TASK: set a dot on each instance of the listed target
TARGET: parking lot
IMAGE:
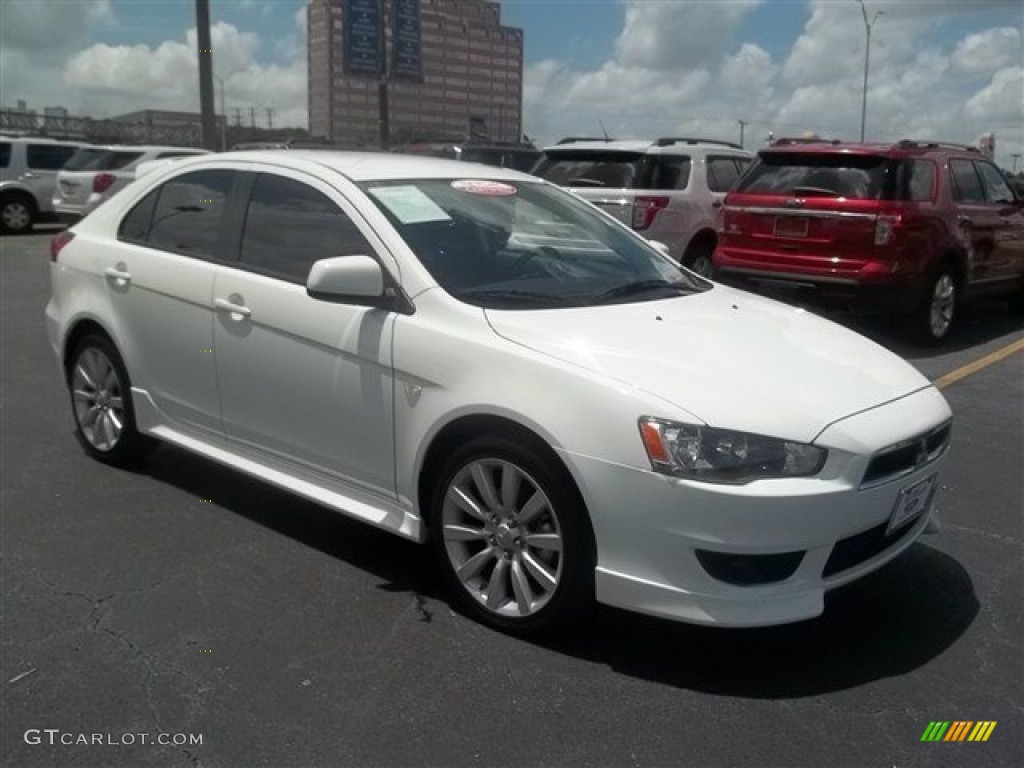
(188, 599)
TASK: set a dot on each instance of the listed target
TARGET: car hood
(732, 359)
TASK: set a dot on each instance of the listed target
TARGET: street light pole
(223, 109)
(867, 57)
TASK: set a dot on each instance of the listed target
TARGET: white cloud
(1000, 101)
(988, 51)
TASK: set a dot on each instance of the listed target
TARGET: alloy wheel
(943, 305)
(98, 400)
(15, 216)
(502, 537)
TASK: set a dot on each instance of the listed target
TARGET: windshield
(518, 245)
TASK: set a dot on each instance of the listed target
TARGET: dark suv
(911, 226)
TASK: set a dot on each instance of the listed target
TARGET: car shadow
(888, 623)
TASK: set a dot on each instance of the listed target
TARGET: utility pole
(743, 125)
(270, 118)
(383, 111)
(252, 117)
(238, 117)
(208, 117)
(867, 57)
(1016, 157)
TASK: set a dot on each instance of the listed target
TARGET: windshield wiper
(525, 297)
(638, 287)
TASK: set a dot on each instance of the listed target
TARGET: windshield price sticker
(484, 187)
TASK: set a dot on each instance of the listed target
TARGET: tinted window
(162, 155)
(966, 184)
(135, 226)
(82, 158)
(670, 172)
(996, 188)
(289, 225)
(722, 174)
(590, 169)
(48, 157)
(5, 154)
(101, 160)
(918, 180)
(189, 212)
(816, 174)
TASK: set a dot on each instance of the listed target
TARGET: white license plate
(912, 501)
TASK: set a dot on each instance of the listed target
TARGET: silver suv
(28, 176)
(670, 189)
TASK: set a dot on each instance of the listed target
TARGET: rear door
(811, 212)
(1008, 238)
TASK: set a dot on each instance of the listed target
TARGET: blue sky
(947, 69)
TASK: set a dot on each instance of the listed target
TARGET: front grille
(857, 549)
(906, 457)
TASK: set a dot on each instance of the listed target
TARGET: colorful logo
(958, 730)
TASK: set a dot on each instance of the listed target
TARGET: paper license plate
(791, 226)
(912, 501)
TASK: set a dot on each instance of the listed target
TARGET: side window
(48, 157)
(919, 180)
(189, 212)
(996, 188)
(966, 184)
(5, 154)
(722, 173)
(162, 155)
(670, 172)
(290, 225)
(134, 227)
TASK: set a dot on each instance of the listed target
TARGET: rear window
(101, 160)
(591, 169)
(5, 154)
(48, 157)
(818, 175)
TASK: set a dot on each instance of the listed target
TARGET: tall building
(451, 69)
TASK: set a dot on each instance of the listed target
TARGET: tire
(513, 538)
(698, 258)
(17, 214)
(101, 404)
(938, 313)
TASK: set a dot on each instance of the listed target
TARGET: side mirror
(354, 280)
(661, 248)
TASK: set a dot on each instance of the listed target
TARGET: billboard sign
(407, 41)
(363, 38)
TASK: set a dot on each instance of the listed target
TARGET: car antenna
(603, 130)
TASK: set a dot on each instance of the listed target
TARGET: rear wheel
(101, 404)
(935, 318)
(698, 258)
(513, 538)
(17, 214)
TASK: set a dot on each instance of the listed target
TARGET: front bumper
(650, 529)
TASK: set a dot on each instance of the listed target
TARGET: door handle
(235, 309)
(118, 274)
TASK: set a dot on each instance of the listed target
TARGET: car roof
(902, 148)
(372, 166)
(669, 145)
(43, 140)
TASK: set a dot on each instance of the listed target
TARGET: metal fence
(100, 131)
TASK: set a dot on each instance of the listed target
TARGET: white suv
(94, 174)
(670, 189)
(28, 173)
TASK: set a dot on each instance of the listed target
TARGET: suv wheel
(17, 214)
(938, 313)
(698, 258)
(513, 538)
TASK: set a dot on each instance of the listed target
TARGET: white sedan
(474, 357)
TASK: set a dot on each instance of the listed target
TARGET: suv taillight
(645, 208)
(58, 243)
(101, 182)
(885, 228)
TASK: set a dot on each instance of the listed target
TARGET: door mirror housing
(357, 279)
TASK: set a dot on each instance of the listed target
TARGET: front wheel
(101, 404)
(513, 538)
(936, 316)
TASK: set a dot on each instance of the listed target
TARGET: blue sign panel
(363, 38)
(407, 41)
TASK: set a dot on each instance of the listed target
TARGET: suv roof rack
(785, 141)
(915, 144)
(572, 139)
(669, 140)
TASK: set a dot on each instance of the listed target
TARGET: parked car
(489, 363)
(94, 174)
(517, 156)
(913, 226)
(28, 177)
(669, 189)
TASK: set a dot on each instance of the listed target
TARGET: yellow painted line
(984, 362)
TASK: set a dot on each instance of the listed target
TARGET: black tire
(17, 213)
(935, 318)
(698, 258)
(107, 402)
(507, 536)
(1016, 300)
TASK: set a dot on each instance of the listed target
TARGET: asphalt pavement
(189, 600)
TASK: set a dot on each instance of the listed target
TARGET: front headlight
(723, 456)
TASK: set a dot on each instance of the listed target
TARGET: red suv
(911, 226)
